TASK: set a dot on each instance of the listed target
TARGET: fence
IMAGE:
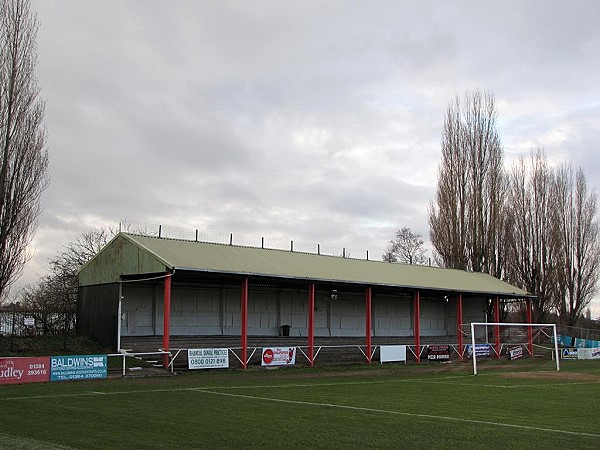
(580, 333)
(20, 322)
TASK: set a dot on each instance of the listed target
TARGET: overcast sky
(317, 122)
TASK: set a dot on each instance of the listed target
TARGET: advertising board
(571, 342)
(208, 358)
(78, 367)
(438, 352)
(24, 370)
(278, 356)
(480, 350)
(588, 353)
(514, 352)
(392, 353)
(569, 353)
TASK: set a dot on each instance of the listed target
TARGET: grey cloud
(313, 121)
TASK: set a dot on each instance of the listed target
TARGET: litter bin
(285, 330)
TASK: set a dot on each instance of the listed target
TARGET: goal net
(512, 341)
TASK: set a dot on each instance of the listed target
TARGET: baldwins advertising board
(81, 367)
(52, 368)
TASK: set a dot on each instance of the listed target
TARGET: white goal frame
(487, 324)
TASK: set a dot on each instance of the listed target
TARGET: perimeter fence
(17, 323)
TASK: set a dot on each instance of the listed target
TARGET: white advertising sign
(278, 356)
(392, 353)
(588, 353)
(208, 358)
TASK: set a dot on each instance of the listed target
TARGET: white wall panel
(392, 316)
(215, 311)
(137, 311)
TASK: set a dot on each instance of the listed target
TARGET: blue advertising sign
(586, 343)
(565, 341)
(569, 353)
(79, 367)
(573, 342)
(480, 350)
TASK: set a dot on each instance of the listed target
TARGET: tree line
(57, 291)
(532, 225)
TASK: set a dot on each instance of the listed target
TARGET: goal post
(528, 326)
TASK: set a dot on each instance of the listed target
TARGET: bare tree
(76, 254)
(467, 219)
(389, 254)
(407, 247)
(23, 158)
(533, 243)
(579, 248)
(58, 290)
(52, 303)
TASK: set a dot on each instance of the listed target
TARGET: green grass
(392, 406)
(48, 345)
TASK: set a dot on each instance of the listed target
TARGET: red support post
(166, 318)
(311, 324)
(529, 329)
(244, 314)
(417, 327)
(497, 327)
(459, 324)
(368, 323)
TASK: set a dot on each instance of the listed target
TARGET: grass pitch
(442, 406)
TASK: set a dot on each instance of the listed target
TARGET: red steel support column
(166, 318)
(244, 314)
(529, 330)
(417, 327)
(459, 324)
(311, 324)
(497, 327)
(368, 323)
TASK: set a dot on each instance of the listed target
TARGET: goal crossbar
(528, 325)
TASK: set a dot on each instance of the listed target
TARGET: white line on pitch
(294, 385)
(398, 413)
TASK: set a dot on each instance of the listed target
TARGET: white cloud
(313, 121)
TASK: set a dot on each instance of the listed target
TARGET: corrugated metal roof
(231, 259)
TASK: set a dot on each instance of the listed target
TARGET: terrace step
(347, 348)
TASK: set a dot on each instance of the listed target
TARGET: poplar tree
(467, 217)
(23, 157)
